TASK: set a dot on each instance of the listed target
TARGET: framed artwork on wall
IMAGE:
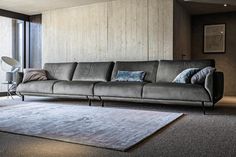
(214, 38)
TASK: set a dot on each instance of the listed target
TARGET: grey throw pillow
(185, 76)
(199, 77)
(34, 75)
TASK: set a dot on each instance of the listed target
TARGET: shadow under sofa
(96, 81)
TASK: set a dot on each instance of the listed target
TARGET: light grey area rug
(112, 128)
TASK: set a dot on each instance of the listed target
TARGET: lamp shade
(10, 61)
(10, 64)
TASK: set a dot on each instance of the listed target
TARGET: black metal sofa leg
(203, 108)
(23, 98)
(89, 101)
(102, 103)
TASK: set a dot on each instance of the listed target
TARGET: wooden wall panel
(160, 29)
(114, 30)
(182, 32)
(127, 30)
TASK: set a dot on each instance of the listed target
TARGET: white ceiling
(32, 7)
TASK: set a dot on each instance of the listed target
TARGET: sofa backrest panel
(149, 67)
(169, 69)
(93, 71)
(60, 71)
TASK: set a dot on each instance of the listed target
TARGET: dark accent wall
(35, 51)
(182, 32)
(224, 62)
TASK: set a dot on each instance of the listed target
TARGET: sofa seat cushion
(84, 88)
(175, 91)
(119, 89)
(45, 87)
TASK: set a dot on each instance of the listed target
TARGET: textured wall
(127, 30)
(115, 30)
(182, 32)
(6, 36)
(224, 62)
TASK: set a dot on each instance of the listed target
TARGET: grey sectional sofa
(95, 81)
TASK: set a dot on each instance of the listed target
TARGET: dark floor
(193, 135)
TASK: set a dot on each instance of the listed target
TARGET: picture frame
(214, 38)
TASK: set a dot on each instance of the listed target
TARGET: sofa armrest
(19, 77)
(209, 83)
(218, 86)
(214, 84)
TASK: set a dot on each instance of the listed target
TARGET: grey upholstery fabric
(209, 84)
(60, 71)
(19, 77)
(93, 71)
(74, 88)
(37, 87)
(175, 91)
(149, 67)
(158, 101)
(169, 69)
(56, 95)
(161, 91)
(119, 89)
(218, 86)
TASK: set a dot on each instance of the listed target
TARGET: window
(11, 43)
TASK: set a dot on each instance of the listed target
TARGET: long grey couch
(95, 81)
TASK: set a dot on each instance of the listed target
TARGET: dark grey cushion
(36, 87)
(199, 77)
(119, 89)
(60, 71)
(185, 76)
(149, 67)
(169, 69)
(175, 91)
(74, 88)
(18, 78)
(93, 71)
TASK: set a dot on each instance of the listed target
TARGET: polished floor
(195, 134)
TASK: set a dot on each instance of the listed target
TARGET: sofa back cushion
(169, 69)
(93, 71)
(149, 67)
(60, 71)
